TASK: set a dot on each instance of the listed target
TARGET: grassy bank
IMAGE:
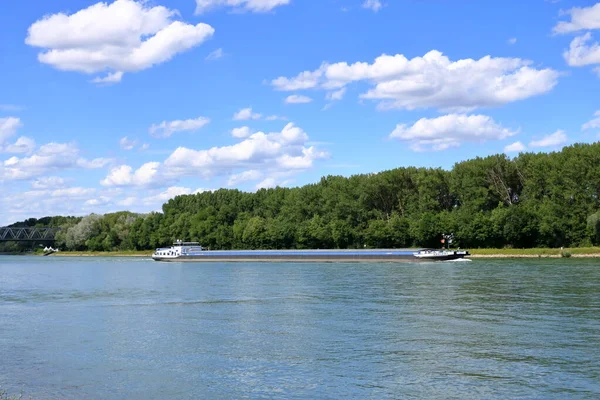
(128, 253)
(476, 253)
(539, 252)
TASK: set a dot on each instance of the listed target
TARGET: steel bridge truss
(27, 234)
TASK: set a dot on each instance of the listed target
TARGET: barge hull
(306, 259)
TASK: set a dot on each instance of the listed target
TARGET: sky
(122, 105)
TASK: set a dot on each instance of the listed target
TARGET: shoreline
(589, 252)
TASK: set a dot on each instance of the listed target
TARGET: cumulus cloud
(336, 95)
(284, 151)
(582, 53)
(583, 50)
(49, 182)
(241, 132)
(171, 193)
(124, 175)
(123, 36)
(127, 144)
(23, 145)
(8, 127)
(515, 147)
(245, 114)
(114, 77)
(582, 18)
(257, 6)
(556, 139)
(128, 201)
(50, 157)
(451, 130)
(268, 183)
(431, 81)
(166, 129)
(594, 123)
(259, 148)
(374, 5)
(51, 196)
(297, 99)
(250, 175)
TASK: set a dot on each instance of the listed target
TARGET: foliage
(544, 200)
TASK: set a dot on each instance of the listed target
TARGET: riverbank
(132, 253)
(582, 252)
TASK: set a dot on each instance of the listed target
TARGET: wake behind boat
(194, 252)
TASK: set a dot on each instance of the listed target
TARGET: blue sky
(124, 104)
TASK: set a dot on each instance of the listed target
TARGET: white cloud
(432, 81)
(280, 152)
(242, 132)
(259, 148)
(297, 99)
(123, 36)
(127, 144)
(593, 124)
(304, 80)
(22, 145)
(304, 161)
(515, 147)
(8, 127)
(169, 194)
(374, 5)
(245, 114)
(100, 201)
(268, 183)
(114, 77)
(250, 175)
(450, 131)
(166, 129)
(258, 6)
(555, 139)
(124, 175)
(512, 41)
(215, 55)
(582, 18)
(48, 158)
(336, 95)
(49, 182)
(53, 197)
(581, 54)
(73, 192)
(128, 201)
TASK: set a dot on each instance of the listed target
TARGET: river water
(131, 328)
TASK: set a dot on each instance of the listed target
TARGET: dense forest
(532, 200)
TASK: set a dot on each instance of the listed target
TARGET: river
(131, 328)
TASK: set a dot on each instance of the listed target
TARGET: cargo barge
(193, 252)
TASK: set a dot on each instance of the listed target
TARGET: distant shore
(583, 252)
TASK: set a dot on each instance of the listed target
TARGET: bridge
(27, 234)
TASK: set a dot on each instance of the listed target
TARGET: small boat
(441, 255)
(194, 252)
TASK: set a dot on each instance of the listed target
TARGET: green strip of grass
(535, 252)
(128, 253)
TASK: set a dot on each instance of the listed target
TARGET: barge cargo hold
(193, 252)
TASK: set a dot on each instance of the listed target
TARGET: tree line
(532, 200)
